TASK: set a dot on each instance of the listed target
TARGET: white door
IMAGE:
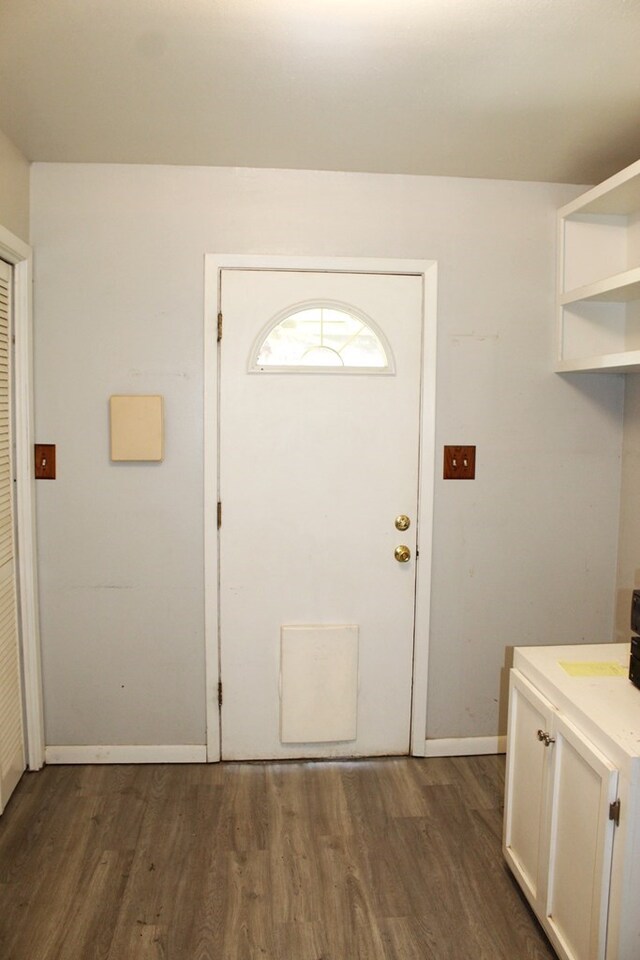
(526, 787)
(319, 427)
(585, 782)
(12, 759)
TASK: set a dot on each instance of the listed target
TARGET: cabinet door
(584, 783)
(526, 784)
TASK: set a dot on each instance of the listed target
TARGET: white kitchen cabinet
(573, 754)
(527, 772)
(599, 277)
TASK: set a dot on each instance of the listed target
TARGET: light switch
(459, 463)
(137, 429)
(45, 461)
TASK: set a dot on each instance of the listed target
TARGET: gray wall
(14, 189)
(629, 547)
(525, 554)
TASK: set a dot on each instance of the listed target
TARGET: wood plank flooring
(394, 859)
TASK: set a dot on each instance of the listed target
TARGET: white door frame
(427, 269)
(19, 254)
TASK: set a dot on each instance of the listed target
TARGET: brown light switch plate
(45, 461)
(459, 463)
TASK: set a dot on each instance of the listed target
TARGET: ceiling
(515, 89)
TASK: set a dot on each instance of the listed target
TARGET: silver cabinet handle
(545, 738)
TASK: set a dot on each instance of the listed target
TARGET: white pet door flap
(319, 683)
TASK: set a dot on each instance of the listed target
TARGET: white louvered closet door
(12, 761)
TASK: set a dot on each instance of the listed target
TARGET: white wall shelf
(627, 361)
(599, 277)
(619, 289)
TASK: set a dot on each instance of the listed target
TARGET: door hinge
(219, 514)
(219, 327)
(614, 812)
(220, 693)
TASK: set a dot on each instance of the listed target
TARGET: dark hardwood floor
(394, 859)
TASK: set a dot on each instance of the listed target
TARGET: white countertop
(607, 704)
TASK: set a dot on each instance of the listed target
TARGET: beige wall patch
(137, 427)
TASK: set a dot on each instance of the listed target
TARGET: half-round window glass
(322, 336)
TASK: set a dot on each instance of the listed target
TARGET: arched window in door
(321, 337)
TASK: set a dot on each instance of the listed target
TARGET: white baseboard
(136, 753)
(195, 753)
(464, 746)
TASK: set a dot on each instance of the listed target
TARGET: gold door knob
(402, 553)
(403, 522)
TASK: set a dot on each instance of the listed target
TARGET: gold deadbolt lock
(402, 553)
(403, 522)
